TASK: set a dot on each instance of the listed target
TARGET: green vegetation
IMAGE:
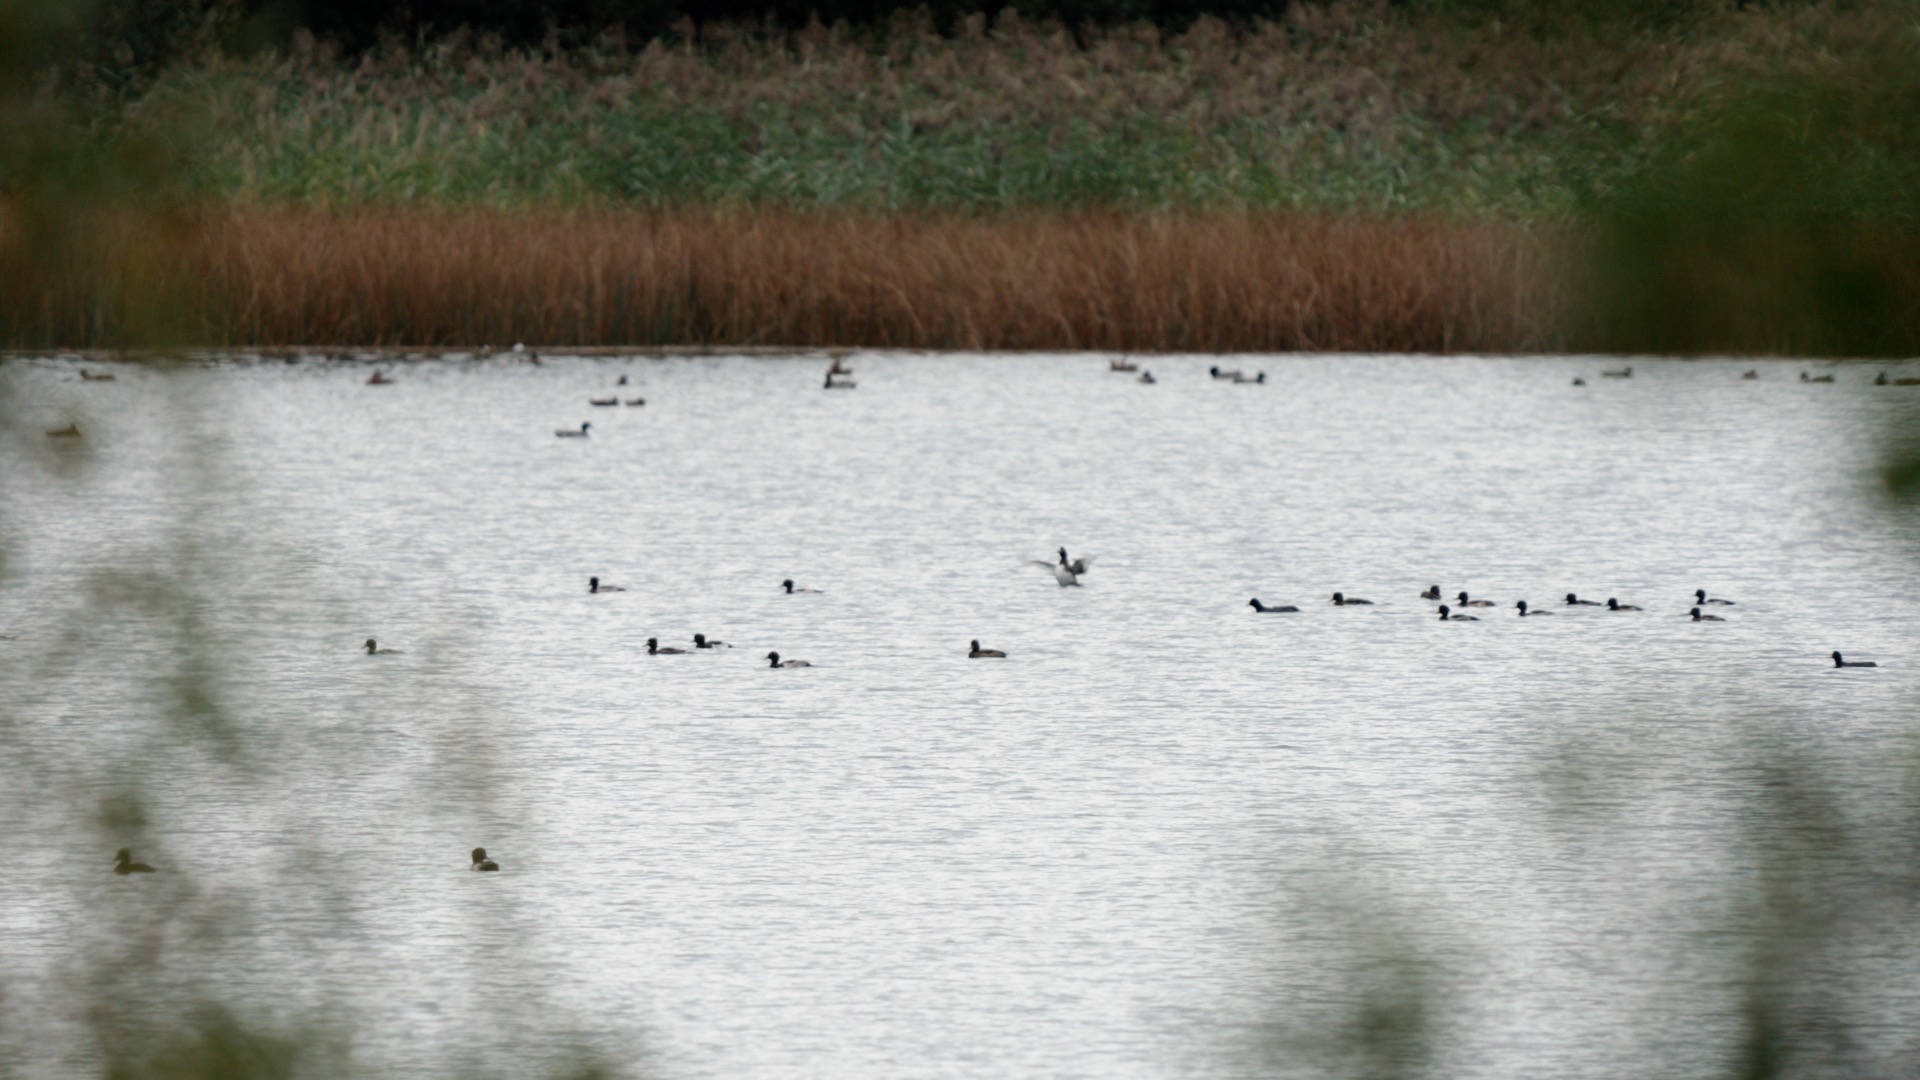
(1780, 211)
(1342, 107)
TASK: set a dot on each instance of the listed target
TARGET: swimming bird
(375, 650)
(654, 649)
(978, 653)
(773, 660)
(581, 434)
(71, 431)
(594, 586)
(1432, 593)
(1700, 597)
(1574, 601)
(1447, 615)
(1522, 605)
(788, 585)
(88, 376)
(700, 642)
(1122, 365)
(123, 859)
(1816, 378)
(481, 862)
(1343, 600)
(621, 381)
(1239, 378)
(1263, 609)
(1906, 382)
(636, 401)
(1837, 662)
(1578, 381)
(1147, 377)
(1615, 605)
(1751, 373)
(379, 378)
(842, 384)
(1219, 374)
(1697, 617)
(1464, 602)
(615, 400)
(1880, 379)
(1623, 373)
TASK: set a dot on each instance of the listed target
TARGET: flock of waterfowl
(1065, 571)
(1524, 610)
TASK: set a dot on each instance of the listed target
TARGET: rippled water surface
(1167, 837)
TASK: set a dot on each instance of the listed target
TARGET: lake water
(1166, 837)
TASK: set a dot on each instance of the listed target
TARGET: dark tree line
(357, 22)
(135, 35)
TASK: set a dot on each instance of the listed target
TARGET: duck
(1697, 617)
(379, 378)
(123, 859)
(1623, 373)
(1522, 605)
(1122, 365)
(1260, 378)
(700, 642)
(654, 649)
(1219, 374)
(1263, 609)
(791, 588)
(1574, 601)
(1147, 377)
(1880, 379)
(978, 653)
(842, 384)
(1615, 605)
(1837, 662)
(481, 862)
(1751, 373)
(1065, 572)
(1804, 377)
(1343, 600)
(773, 660)
(632, 402)
(1700, 597)
(71, 431)
(1079, 565)
(569, 434)
(1447, 615)
(594, 586)
(1907, 382)
(621, 381)
(1432, 593)
(88, 376)
(1578, 381)
(604, 401)
(374, 649)
(1464, 602)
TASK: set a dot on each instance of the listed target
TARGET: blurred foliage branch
(1780, 210)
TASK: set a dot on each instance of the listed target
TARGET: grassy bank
(1341, 107)
(922, 279)
(1358, 177)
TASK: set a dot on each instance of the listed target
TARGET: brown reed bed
(1222, 281)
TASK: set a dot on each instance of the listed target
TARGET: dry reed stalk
(1033, 280)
